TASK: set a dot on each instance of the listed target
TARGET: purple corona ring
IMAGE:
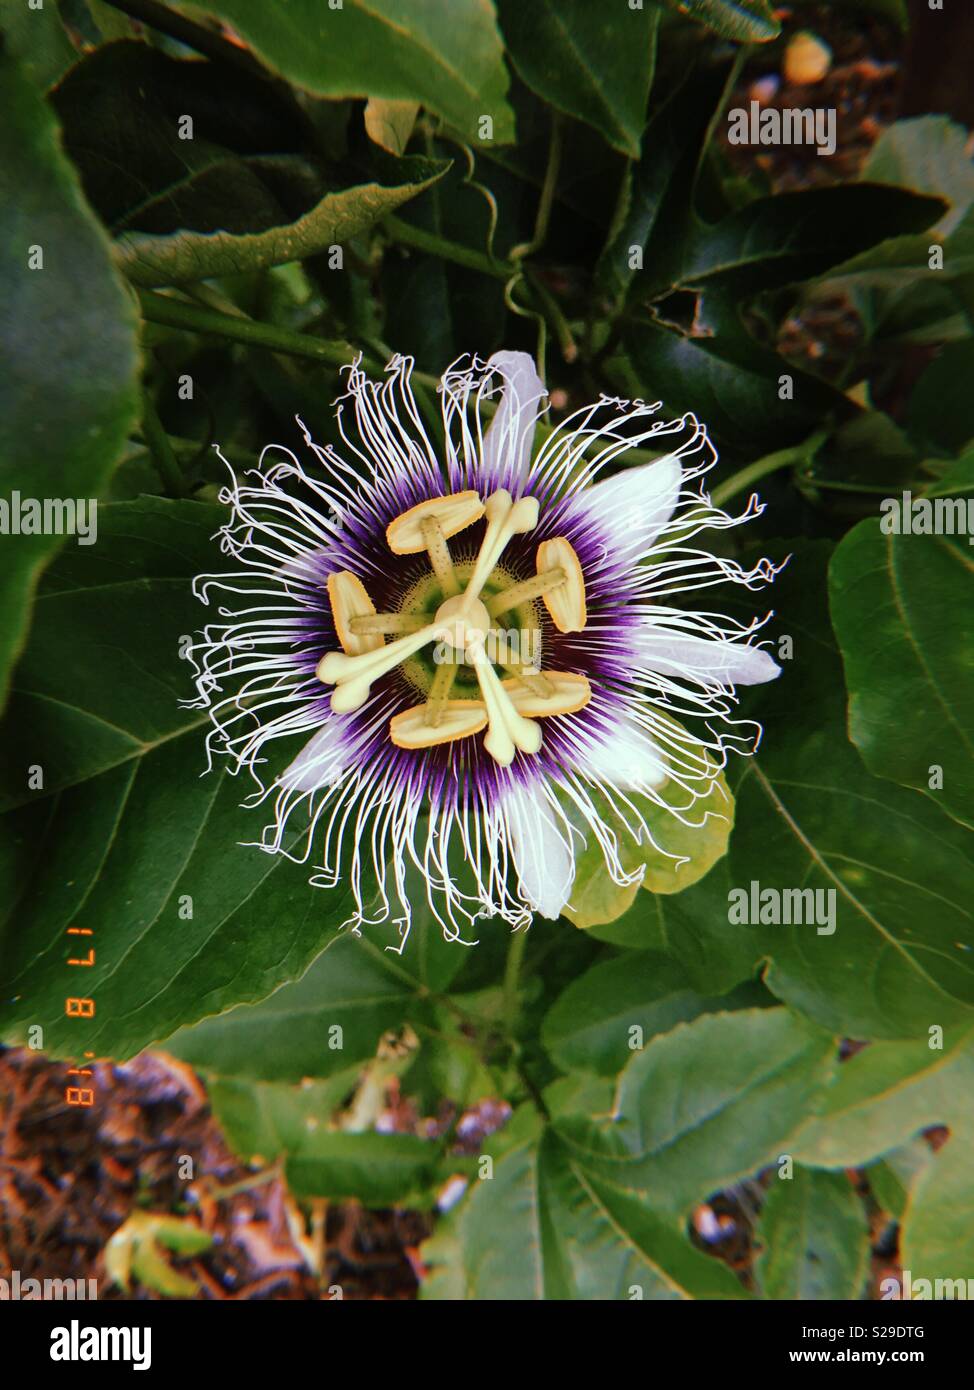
(483, 662)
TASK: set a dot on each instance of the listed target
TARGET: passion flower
(490, 660)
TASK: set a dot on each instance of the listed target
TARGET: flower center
(462, 627)
(467, 621)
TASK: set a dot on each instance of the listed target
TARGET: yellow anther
(453, 513)
(565, 602)
(460, 719)
(349, 601)
(568, 693)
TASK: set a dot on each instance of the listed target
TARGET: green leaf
(334, 1016)
(726, 377)
(36, 38)
(377, 1169)
(941, 413)
(811, 817)
(745, 21)
(691, 928)
(815, 1236)
(767, 243)
(542, 1227)
(957, 478)
(63, 416)
(936, 1241)
(884, 1095)
(686, 337)
(590, 1025)
(163, 143)
(678, 126)
(596, 65)
(390, 123)
(903, 608)
(892, 1178)
(266, 1121)
(887, 1093)
(712, 364)
(232, 198)
(929, 155)
(446, 54)
(143, 850)
(891, 285)
(706, 1104)
(793, 236)
(192, 256)
(112, 615)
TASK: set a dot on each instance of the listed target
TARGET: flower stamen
(463, 622)
(454, 513)
(523, 592)
(460, 719)
(565, 602)
(440, 692)
(567, 693)
(386, 624)
(529, 675)
(350, 604)
(439, 553)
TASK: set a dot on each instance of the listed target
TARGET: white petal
(318, 764)
(507, 443)
(634, 506)
(730, 663)
(543, 857)
(628, 759)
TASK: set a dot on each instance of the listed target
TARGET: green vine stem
(160, 449)
(435, 245)
(784, 458)
(554, 317)
(198, 318)
(547, 199)
(171, 312)
(512, 978)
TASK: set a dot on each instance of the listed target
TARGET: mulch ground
(71, 1175)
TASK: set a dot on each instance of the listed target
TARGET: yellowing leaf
(134, 1249)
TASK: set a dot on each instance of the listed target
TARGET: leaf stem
(160, 449)
(784, 458)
